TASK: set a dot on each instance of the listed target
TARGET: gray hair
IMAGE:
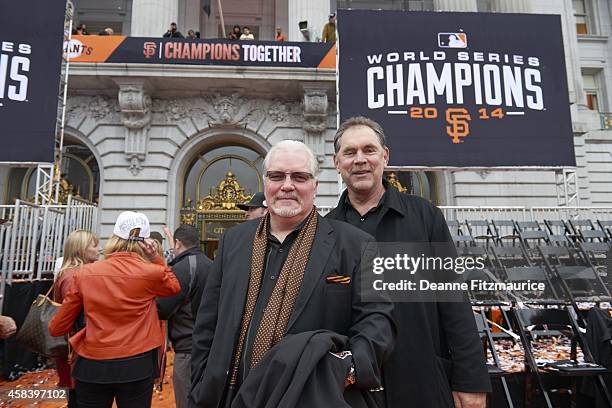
(293, 145)
(359, 121)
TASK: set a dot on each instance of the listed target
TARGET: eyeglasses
(296, 177)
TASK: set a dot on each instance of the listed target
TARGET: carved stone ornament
(135, 105)
(97, 107)
(222, 110)
(315, 119)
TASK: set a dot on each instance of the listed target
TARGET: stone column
(510, 6)
(455, 5)
(135, 106)
(316, 12)
(152, 18)
(315, 118)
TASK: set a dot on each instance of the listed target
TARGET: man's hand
(7, 327)
(470, 399)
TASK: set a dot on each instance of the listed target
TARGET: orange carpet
(47, 380)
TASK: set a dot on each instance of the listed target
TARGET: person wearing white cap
(117, 351)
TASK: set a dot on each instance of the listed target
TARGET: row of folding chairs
(568, 274)
(528, 326)
(510, 232)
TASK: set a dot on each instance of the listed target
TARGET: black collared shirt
(370, 220)
(276, 255)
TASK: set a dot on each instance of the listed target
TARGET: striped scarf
(280, 306)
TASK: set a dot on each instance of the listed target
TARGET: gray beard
(286, 212)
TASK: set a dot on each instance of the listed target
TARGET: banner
(31, 35)
(93, 48)
(459, 89)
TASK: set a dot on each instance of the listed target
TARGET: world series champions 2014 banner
(121, 49)
(458, 89)
(31, 36)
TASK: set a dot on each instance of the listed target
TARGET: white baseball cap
(129, 220)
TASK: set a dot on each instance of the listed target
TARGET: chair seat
(495, 371)
(569, 368)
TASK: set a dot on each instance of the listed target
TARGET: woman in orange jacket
(81, 247)
(117, 349)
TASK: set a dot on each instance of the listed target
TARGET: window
(581, 13)
(98, 15)
(590, 81)
(404, 5)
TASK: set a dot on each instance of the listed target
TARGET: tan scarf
(280, 306)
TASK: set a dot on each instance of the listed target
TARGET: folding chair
(481, 230)
(550, 294)
(495, 370)
(458, 236)
(559, 240)
(486, 274)
(606, 227)
(595, 253)
(531, 233)
(557, 227)
(583, 283)
(534, 324)
(579, 225)
(505, 230)
(592, 236)
(510, 257)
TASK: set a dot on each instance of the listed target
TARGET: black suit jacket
(438, 348)
(336, 250)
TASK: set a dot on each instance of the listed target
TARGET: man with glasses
(286, 274)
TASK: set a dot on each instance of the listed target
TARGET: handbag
(34, 332)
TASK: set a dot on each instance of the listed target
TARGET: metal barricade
(33, 236)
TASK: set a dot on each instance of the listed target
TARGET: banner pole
(221, 17)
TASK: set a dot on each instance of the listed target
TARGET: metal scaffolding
(48, 174)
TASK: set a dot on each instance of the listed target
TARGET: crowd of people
(237, 33)
(277, 318)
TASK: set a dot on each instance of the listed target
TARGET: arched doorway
(215, 181)
(421, 183)
(80, 176)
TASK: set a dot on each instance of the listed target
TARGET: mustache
(292, 196)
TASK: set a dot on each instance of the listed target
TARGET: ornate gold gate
(216, 212)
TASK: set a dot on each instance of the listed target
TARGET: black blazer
(438, 348)
(336, 250)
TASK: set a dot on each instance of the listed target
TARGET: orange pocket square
(341, 279)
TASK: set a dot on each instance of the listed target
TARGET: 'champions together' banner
(459, 89)
(93, 48)
(31, 35)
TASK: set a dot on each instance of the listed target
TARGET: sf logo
(458, 119)
(149, 49)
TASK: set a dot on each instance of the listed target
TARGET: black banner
(120, 49)
(459, 89)
(31, 36)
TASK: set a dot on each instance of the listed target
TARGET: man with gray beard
(276, 279)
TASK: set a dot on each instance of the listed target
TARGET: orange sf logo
(149, 49)
(458, 119)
